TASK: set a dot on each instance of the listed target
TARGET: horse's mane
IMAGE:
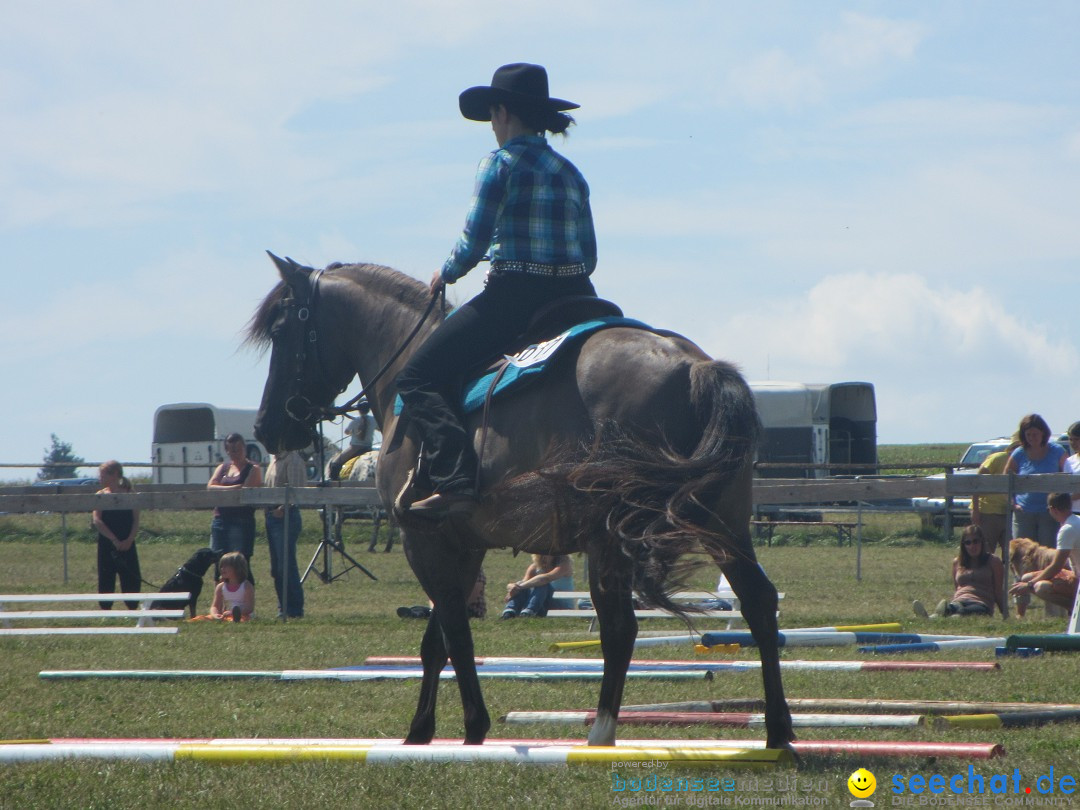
(377, 280)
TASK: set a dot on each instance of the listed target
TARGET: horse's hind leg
(758, 601)
(609, 583)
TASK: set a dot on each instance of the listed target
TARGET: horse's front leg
(447, 574)
(433, 656)
(758, 600)
(453, 617)
(609, 584)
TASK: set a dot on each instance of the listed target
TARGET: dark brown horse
(636, 449)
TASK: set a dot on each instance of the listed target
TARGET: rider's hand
(437, 283)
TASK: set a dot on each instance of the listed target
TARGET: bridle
(297, 405)
(302, 307)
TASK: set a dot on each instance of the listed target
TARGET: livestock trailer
(191, 436)
(815, 424)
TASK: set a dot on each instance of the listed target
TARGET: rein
(305, 312)
(341, 410)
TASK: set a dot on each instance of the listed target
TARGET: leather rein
(297, 405)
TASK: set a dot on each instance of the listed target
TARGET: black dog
(188, 577)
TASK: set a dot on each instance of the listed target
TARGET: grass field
(354, 617)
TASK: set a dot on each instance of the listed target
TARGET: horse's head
(300, 384)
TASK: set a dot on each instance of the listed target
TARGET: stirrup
(444, 504)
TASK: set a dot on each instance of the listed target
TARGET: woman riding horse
(530, 212)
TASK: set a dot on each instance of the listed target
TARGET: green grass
(918, 454)
(354, 617)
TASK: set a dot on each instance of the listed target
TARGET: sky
(817, 191)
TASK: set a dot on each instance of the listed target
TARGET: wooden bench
(145, 615)
(565, 606)
(767, 527)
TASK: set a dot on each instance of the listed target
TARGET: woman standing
(1036, 454)
(1072, 463)
(116, 528)
(233, 527)
(530, 213)
(282, 531)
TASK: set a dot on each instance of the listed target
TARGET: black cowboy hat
(519, 83)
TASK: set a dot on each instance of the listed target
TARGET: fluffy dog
(1026, 556)
(189, 577)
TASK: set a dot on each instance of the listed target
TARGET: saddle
(556, 326)
(547, 323)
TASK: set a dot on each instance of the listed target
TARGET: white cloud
(898, 321)
(845, 56)
(945, 361)
(774, 78)
(862, 42)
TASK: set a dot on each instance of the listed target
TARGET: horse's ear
(287, 268)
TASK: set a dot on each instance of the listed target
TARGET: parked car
(66, 482)
(932, 510)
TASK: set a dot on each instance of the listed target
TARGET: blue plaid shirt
(530, 205)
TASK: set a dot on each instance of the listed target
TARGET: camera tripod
(327, 546)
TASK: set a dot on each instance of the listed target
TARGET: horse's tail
(657, 504)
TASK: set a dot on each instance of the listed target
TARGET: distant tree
(60, 461)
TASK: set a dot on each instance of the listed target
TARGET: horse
(636, 449)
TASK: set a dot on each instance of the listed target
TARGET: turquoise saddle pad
(530, 363)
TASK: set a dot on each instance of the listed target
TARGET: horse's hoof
(603, 730)
(787, 746)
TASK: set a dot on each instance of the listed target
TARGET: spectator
(286, 469)
(1072, 463)
(361, 433)
(233, 527)
(1037, 454)
(979, 579)
(234, 596)
(116, 528)
(531, 595)
(990, 512)
(1057, 583)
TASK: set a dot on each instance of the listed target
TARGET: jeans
(234, 533)
(1037, 526)
(968, 609)
(534, 599)
(292, 591)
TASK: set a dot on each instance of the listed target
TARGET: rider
(530, 213)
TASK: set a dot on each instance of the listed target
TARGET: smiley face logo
(862, 784)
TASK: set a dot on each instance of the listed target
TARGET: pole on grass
(63, 531)
(282, 566)
(858, 543)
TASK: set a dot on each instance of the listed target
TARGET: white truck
(816, 424)
(189, 438)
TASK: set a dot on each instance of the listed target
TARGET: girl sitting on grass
(234, 596)
(978, 577)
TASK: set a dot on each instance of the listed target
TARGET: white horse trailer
(191, 436)
(815, 424)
